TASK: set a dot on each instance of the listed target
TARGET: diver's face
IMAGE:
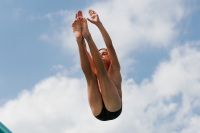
(104, 55)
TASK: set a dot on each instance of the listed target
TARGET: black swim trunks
(106, 115)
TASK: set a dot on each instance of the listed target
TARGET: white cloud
(17, 12)
(45, 37)
(59, 67)
(167, 102)
(52, 106)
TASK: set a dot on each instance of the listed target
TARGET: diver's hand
(94, 18)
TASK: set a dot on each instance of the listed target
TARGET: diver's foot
(85, 31)
(76, 28)
(79, 14)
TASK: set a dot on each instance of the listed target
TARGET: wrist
(98, 24)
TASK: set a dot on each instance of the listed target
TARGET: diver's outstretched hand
(94, 18)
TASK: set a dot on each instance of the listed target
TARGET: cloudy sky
(42, 87)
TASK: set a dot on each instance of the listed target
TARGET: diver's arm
(94, 18)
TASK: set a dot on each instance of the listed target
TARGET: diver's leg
(93, 49)
(94, 96)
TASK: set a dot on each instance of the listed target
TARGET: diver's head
(105, 56)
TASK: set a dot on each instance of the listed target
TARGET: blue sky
(23, 54)
(158, 47)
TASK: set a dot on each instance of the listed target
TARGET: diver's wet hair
(102, 49)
